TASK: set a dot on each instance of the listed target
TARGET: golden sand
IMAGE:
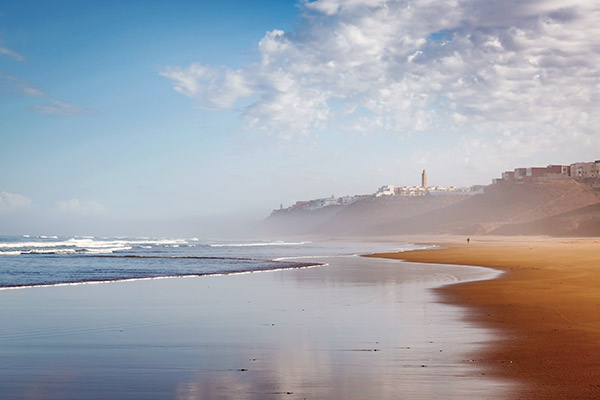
(547, 308)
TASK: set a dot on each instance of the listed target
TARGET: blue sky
(120, 116)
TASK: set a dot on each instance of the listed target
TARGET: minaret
(424, 179)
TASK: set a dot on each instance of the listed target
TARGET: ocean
(29, 261)
(355, 328)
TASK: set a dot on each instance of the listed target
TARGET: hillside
(500, 205)
(297, 222)
(584, 221)
(551, 207)
(369, 216)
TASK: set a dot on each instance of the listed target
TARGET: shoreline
(158, 277)
(545, 307)
(359, 328)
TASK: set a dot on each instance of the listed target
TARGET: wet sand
(356, 329)
(547, 307)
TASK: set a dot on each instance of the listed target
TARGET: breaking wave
(259, 244)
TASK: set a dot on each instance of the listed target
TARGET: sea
(323, 323)
(32, 261)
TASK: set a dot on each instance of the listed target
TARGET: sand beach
(546, 306)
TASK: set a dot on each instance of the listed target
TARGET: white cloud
(216, 88)
(49, 105)
(525, 67)
(60, 108)
(332, 7)
(12, 201)
(8, 52)
(21, 87)
(77, 207)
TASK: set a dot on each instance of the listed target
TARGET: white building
(411, 191)
(347, 200)
(385, 190)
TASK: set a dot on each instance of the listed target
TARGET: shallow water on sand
(358, 328)
(53, 260)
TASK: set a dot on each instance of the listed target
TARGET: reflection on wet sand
(356, 329)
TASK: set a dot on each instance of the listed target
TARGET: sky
(177, 118)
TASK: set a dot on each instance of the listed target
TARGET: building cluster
(423, 190)
(385, 190)
(412, 191)
(311, 205)
(579, 170)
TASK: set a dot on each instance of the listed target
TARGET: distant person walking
(468, 240)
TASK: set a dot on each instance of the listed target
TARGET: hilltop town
(554, 200)
(579, 170)
(385, 190)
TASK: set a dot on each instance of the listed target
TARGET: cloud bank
(524, 72)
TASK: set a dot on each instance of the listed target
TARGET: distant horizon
(205, 116)
(229, 226)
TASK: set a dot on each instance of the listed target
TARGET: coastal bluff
(555, 207)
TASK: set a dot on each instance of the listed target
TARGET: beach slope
(547, 306)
